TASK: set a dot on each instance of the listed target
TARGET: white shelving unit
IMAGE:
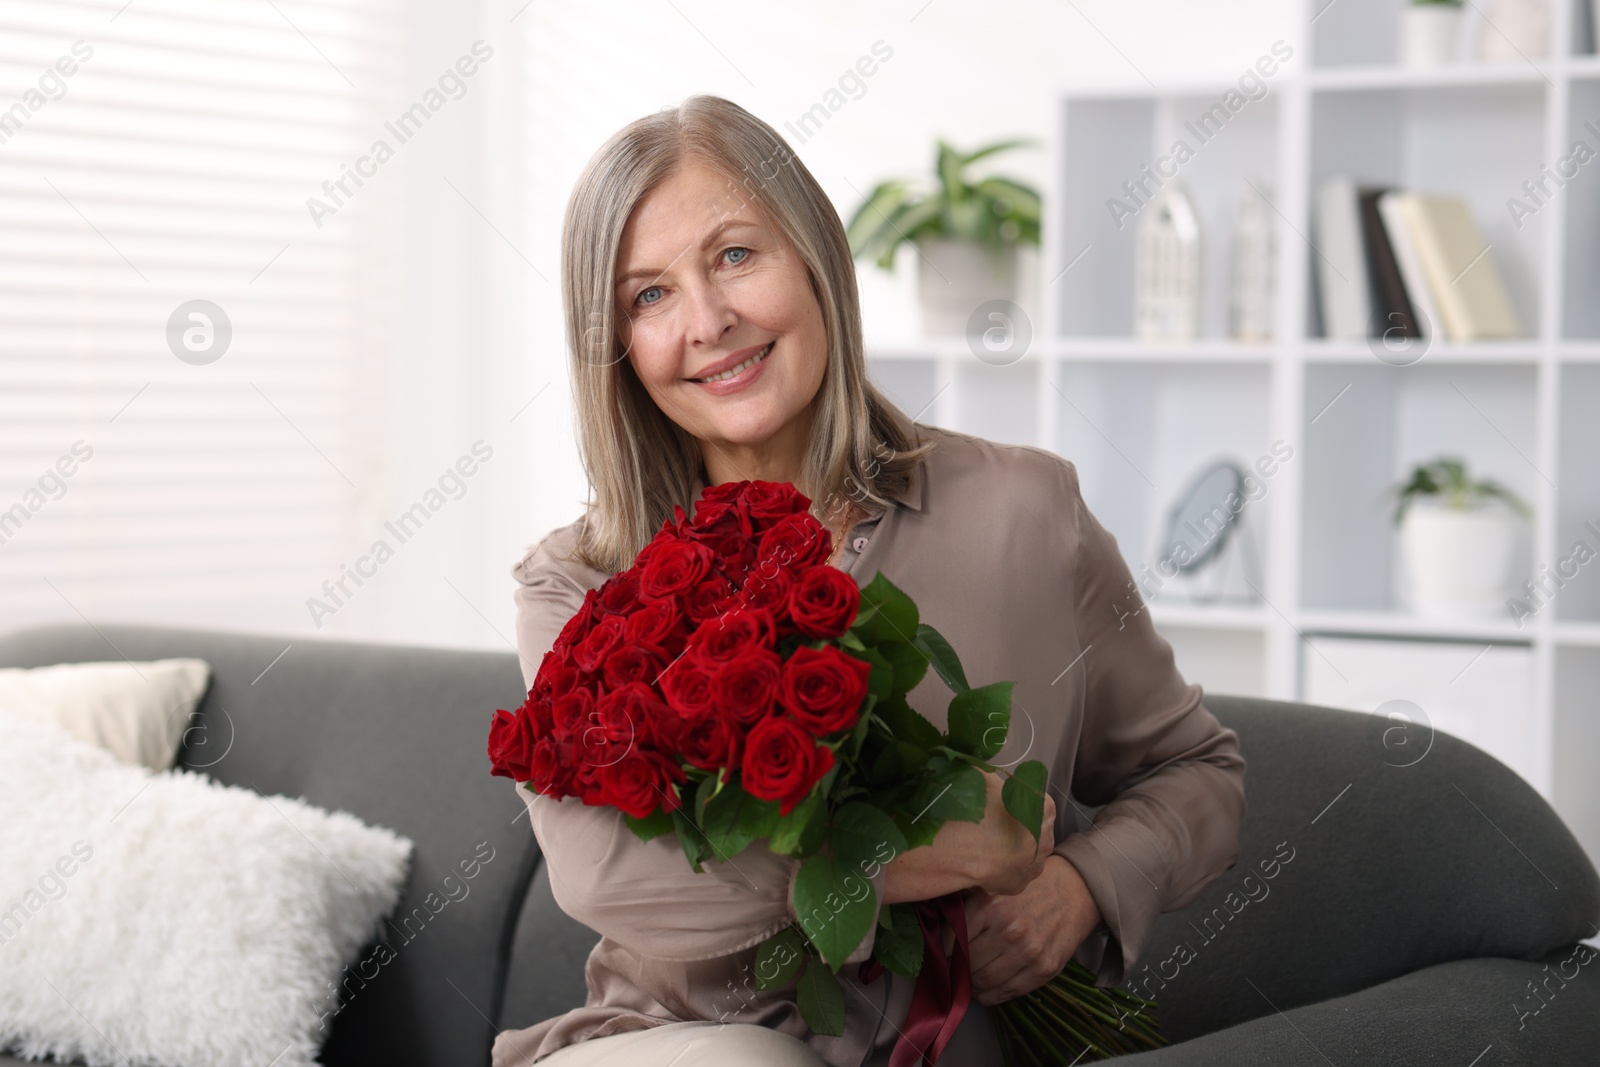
(1140, 419)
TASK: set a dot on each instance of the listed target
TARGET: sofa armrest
(1532, 1013)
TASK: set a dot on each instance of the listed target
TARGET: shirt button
(859, 544)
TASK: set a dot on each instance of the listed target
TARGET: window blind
(153, 155)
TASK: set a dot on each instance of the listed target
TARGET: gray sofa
(1378, 914)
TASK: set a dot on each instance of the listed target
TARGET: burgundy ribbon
(943, 989)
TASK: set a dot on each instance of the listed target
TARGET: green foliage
(899, 945)
(831, 906)
(1023, 795)
(779, 958)
(994, 211)
(820, 999)
(1446, 478)
(979, 719)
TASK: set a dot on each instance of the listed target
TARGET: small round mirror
(1205, 514)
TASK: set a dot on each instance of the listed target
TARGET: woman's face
(704, 281)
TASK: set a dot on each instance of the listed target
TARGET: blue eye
(640, 298)
(741, 259)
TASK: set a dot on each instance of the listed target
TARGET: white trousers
(698, 1043)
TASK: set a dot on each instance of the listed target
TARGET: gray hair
(640, 463)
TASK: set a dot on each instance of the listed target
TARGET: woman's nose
(710, 314)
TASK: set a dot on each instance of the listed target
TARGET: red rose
(634, 716)
(510, 745)
(767, 586)
(705, 599)
(630, 663)
(722, 638)
(796, 540)
(591, 652)
(686, 683)
(637, 783)
(577, 626)
(545, 769)
(710, 741)
(675, 567)
(570, 713)
(658, 624)
(620, 593)
(722, 492)
(781, 762)
(823, 688)
(824, 601)
(715, 520)
(747, 684)
(768, 502)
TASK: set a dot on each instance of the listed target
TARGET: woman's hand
(1020, 942)
(998, 854)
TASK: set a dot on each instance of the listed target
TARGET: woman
(713, 320)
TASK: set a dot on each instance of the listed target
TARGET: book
(1394, 317)
(1460, 271)
(1341, 262)
(1411, 272)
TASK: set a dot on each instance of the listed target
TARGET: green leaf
(896, 761)
(918, 832)
(942, 656)
(896, 617)
(957, 792)
(999, 146)
(1023, 795)
(709, 787)
(910, 663)
(863, 725)
(820, 999)
(651, 826)
(734, 818)
(801, 831)
(693, 841)
(860, 833)
(834, 905)
(779, 958)
(900, 947)
(880, 680)
(979, 719)
(908, 724)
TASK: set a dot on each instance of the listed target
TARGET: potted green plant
(966, 232)
(1459, 536)
(1431, 32)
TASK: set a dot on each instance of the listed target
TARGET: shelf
(1578, 634)
(1088, 349)
(1515, 351)
(1414, 627)
(1383, 76)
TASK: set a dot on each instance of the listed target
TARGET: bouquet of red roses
(731, 686)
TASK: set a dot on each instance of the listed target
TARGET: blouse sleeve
(642, 894)
(1170, 777)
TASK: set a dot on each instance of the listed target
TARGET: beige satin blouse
(996, 546)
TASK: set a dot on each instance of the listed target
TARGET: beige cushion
(138, 711)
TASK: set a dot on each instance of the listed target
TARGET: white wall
(465, 340)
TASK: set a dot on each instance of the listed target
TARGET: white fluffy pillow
(169, 919)
(138, 711)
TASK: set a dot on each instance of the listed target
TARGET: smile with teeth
(741, 368)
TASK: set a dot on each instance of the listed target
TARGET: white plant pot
(1459, 559)
(955, 276)
(1430, 35)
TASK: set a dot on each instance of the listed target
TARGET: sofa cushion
(394, 735)
(136, 711)
(1360, 862)
(137, 909)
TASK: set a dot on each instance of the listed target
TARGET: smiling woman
(686, 254)
(715, 338)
